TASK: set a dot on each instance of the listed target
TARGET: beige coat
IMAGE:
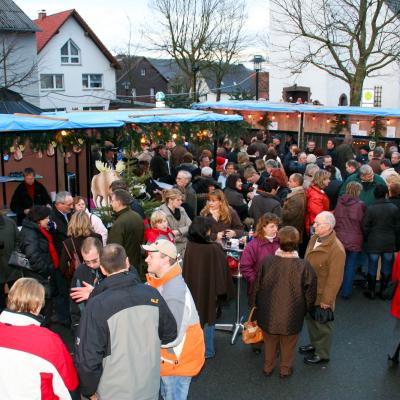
(294, 210)
(328, 261)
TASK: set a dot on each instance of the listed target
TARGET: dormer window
(70, 53)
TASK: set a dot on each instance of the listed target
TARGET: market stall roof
(107, 119)
(268, 106)
(12, 102)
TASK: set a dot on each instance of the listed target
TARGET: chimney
(42, 14)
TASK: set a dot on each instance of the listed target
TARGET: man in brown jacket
(327, 256)
(294, 207)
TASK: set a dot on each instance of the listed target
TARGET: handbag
(390, 290)
(322, 315)
(252, 333)
(73, 262)
(18, 260)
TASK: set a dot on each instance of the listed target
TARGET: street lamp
(195, 70)
(126, 85)
(257, 62)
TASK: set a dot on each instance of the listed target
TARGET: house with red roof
(76, 70)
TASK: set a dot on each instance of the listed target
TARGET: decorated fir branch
(378, 128)
(339, 123)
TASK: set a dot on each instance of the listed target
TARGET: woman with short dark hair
(285, 290)
(36, 242)
(234, 196)
(381, 227)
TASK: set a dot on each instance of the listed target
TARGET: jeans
(349, 273)
(387, 262)
(209, 335)
(175, 387)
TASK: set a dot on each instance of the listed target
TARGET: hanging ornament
(39, 154)
(17, 154)
(50, 150)
(76, 149)
(68, 155)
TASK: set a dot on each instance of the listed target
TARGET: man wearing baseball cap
(184, 357)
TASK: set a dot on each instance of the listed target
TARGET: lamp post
(126, 86)
(257, 61)
(195, 70)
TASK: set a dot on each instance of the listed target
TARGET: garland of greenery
(377, 128)
(339, 123)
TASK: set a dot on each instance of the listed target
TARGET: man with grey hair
(327, 256)
(183, 183)
(368, 179)
(60, 215)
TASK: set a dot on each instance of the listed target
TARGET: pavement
(364, 334)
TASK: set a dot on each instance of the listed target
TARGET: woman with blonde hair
(178, 220)
(80, 204)
(317, 200)
(226, 221)
(79, 228)
(32, 352)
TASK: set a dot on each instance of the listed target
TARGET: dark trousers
(320, 336)
(285, 345)
(60, 294)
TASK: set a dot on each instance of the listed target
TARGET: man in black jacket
(120, 333)
(28, 193)
(86, 277)
(60, 214)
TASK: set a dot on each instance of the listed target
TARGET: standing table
(237, 326)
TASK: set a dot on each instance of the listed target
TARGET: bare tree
(348, 39)
(16, 69)
(189, 32)
(230, 40)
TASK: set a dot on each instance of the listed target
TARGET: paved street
(364, 334)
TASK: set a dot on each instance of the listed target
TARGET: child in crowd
(159, 228)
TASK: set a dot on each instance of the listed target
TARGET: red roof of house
(50, 25)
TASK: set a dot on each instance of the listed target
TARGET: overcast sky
(108, 19)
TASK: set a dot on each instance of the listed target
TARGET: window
(53, 109)
(92, 81)
(93, 108)
(51, 81)
(152, 91)
(70, 53)
(143, 72)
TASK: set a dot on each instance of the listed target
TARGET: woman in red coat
(317, 200)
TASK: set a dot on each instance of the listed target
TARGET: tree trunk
(356, 86)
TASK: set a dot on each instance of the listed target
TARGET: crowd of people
(308, 222)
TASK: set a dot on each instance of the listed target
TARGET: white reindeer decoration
(102, 181)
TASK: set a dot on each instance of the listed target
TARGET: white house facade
(323, 87)
(76, 71)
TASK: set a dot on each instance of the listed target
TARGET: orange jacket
(185, 355)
